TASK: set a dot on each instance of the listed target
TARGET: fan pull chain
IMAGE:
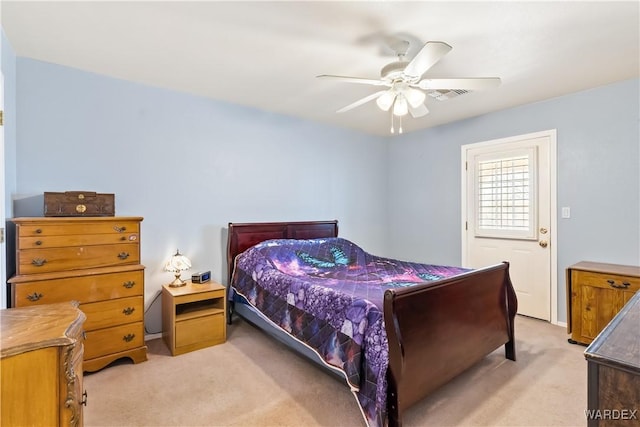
(392, 130)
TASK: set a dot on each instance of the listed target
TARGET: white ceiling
(267, 54)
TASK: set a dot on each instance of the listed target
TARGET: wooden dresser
(596, 292)
(93, 260)
(41, 363)
(613, 371)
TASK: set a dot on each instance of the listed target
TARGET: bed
(434, 323)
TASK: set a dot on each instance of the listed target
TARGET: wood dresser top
(601, 267)
(58, 219)
(619, 342)
(30, 328)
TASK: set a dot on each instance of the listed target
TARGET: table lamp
(177, 264)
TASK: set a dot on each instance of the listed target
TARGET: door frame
(3, 240)
(553, 253)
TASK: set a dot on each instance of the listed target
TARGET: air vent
(444, 94)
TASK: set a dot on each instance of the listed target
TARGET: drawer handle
(38, 242)
(129, 310)
(84, 398)
(120, 229)
(123, 255)
(84, 335)
(129, 284)
(34, 296)
(38, 262)
(38, 231)
(123, 238)
(613, 284)
(129, 337)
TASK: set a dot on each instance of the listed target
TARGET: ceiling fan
(405, 89)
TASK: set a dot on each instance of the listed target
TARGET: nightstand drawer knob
(34, 296)
(613, 284)
(129, 284)
(128, 337)
(128, 311)
(123, 255)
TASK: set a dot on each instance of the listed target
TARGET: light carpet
(253, 380)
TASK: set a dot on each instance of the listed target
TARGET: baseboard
(563, 324)
(149, 337)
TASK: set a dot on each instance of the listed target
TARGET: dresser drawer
(84, 289)
(35, 261)
(39, 242)
(606, 280)
(113, 340)
(113, 312)
(75, 226)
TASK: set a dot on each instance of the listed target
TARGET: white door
(508, 200)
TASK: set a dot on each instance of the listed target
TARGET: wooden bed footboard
(438, 330)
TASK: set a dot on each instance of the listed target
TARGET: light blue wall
(191, 165)
(8, 154)
(9, 167)
(598, 153)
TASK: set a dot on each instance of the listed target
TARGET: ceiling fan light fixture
(385, 101)
(400, 107)
(415, 97)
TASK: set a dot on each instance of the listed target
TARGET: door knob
(543, 243)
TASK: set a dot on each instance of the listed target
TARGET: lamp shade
(400, 107)
(385, 101)
(176, 264)
(415, 97)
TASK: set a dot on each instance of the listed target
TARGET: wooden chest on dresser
(41, 364)
(613, 371)
(95, 261)
(596, 292)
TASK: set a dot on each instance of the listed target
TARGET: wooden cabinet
(596, 292)
(92, 260)
(41, 364)
(613, 371)
(193, 316)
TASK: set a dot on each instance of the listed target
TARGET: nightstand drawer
(206, 329)
(607, 281)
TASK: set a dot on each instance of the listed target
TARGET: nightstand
(193, 316)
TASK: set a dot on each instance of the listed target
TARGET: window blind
(504, 194)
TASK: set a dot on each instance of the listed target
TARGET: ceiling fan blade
(361, 101)
(419, 111)
(477, 83)
(430, 53)
(359, 80)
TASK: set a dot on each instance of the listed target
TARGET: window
(505, 195)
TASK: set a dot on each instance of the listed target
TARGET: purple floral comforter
(328, 293)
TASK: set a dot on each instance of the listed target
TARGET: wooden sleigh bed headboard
(244, 235)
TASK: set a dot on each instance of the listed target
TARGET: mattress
(327, 294)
